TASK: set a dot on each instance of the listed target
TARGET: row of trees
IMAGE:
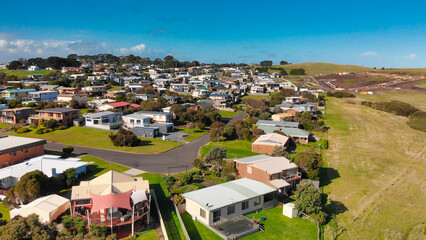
(52, 62)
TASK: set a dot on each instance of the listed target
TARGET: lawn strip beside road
(236, 148)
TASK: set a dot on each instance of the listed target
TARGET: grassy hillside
(377, 168)
(25, 73)
(316, 68)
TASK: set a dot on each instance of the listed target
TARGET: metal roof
(101, 114)
(225, 194)
(277, 123)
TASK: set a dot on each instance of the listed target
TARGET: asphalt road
(176, 160)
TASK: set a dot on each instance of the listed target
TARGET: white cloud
(411, 56)
(138, 48)
(369, 54)
(3, 43)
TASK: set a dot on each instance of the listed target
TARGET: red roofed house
(291, 111)
(114, 200)
(114, 105)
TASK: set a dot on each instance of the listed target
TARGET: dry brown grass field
(380, 165)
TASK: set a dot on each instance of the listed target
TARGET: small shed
(290, 210)
(47, 208)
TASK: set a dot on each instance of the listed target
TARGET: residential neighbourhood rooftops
(224, 194)
(295, 132)
(118, 104)
(278, 123)
(101, 114)
(137, 116)
(153, 112)
(11, 142)
(21, 90)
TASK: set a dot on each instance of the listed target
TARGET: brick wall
(256, 174)
(10, 158)
(266, 149)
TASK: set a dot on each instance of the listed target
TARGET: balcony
(118, 219)
(293, 177)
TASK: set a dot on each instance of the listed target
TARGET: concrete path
(176, 160)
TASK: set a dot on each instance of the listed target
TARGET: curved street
(176, 160)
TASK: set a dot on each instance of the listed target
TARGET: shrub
(186, 178)
(124, 138)
(169, 180)
(40, 131)
(340, 94)
(395, 107)
(366, 103)
(67, 150)
(178, 199)
(417, 121)
(22, 130)
(51, 123)
(62, 127)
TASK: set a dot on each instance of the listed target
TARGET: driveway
(176, 160)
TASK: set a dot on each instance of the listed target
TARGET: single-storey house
(164, 128)
(114, 105)
(148, 132)
(218, 203)
(17, 149)
(47, 208)
(268, 142)
(270, 123)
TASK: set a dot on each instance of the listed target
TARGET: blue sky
(370, 33)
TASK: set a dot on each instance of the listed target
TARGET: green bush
(67, 150)
(340, 94)
(186, 178)
(395, 107)
(40, 131)
(22, 130)
(51, 123)
(62, 127)
(417, 121)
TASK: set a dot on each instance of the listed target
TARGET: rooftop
(272, 139)
(9, 142)
(221, 195)
(101, 114)
(278, 123)
(119, 104)
(58, 110)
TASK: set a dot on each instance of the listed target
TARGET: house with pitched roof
(268, 142)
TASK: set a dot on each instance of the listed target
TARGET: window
(244, 205)
(138, 121)
(231, 209)
(216, 216)
(257, 201)
(82, 202)
(14, 153)
(202, 213)
(249, 169)
(132, 121)
(269, 197)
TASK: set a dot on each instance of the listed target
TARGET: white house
(218, 203)
(157, 116)
(104, 120)
(179, 87)
(51, 165)
(44, 96)
(136, 120)
(34, 68)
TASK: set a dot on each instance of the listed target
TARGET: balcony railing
(293, 177)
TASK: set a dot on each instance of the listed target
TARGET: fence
(163, 227)
(181, 222)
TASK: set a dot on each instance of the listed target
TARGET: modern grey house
(164, 128)
(104, 120)
(148, 132)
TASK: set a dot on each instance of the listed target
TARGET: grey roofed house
(12, 143)
(221, 195)
(278, 123)
(148, 132)
(164, 128)
(205, 102)
(57, 110)
(295, 132)
(137, 116)
(101, 114)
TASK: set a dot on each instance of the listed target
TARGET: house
(64, 115)
(205, 103)
(115, 93)
(298, 107)
(179, 87)
(201, 92)
(15, 115)
(163, 117)
(298, 135)
(43, 96)
(96, 103)
(136, 120)
(292, 112)
(135, 87)
(163, 128)
(104, 120)
(172, 99)
(49, 87)
(281, 116)
(120, 106)
(277, 172)
(269, 123)
(257, 89)
(94, 90)
(294, 100)
(268, 142)
(221, 100)
(34, 68)
(143, 97)
(17, 149)
(51, 165)
(221, 202)
(17, 93)
(67, 98)
(112, 199)
(148, 132)
(68, 90)
(48, 208)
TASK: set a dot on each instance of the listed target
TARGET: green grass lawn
(3, 125)
(150, 234)
(4, 211)
(115, 89)
(421, 84)
(277, 226)
(196, 230)
(25, 73)
(258, 97)
(227, 114)
(84, 110)
(99, 167)
(194, 134)
(95, 138)
(236, 148)
(377, 178)
(171, 221)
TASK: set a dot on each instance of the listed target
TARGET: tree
(191, 126)
(14, 65)
(283, 62)
(297, 71)
(31, 186)
(51, 123)
(13, 103)
(266, 63)
(215, 157)
(283, 72)
(308, 197)
(27, 228)
(216, 130)
(280, 152)
(186, 178)
(70, 177)
(124, 138)
(229, 171)
(229, 132)
(310, 162)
